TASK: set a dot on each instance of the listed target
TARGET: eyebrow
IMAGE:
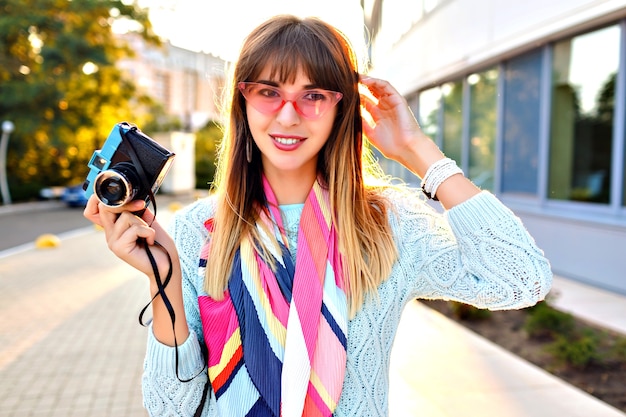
(275, 84)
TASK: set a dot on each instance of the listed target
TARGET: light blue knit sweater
(478, 252)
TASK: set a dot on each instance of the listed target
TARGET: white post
(7, 128)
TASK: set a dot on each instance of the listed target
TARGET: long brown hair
(288, 44)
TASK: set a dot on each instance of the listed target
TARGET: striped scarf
(277, 340)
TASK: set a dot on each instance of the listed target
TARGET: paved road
(70, 343)
(23, 223)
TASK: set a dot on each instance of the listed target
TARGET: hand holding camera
(124, 176)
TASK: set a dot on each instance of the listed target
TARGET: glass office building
(529, 99)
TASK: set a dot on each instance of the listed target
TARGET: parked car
(74, 196)
(51, 193)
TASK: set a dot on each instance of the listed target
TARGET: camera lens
(117, 186)
(113, 190)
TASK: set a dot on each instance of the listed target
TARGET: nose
(288, 115)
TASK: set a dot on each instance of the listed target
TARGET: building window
(482, 127)
(584, 72)
(162, 89)
(520, 132)
(428, 116)
(452, 132)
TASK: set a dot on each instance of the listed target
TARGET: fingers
(91, 211)
(387, 97)
(96, 211)
(378, 87)
(368, 131)
(369, 105)
(120, 223)
(123, 235)
(148, 216)
(124, 226)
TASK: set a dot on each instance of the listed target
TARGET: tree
(207, 140)
(60, 86)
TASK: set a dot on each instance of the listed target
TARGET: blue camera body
(101, 158)
(130, 166)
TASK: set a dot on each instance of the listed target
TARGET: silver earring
(249, 151)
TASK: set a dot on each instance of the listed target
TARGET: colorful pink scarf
(277, 341)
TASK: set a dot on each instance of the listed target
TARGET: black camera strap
(161, 284)
(138, 166)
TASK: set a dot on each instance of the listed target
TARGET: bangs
(297, 48)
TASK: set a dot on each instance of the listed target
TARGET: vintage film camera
(130, 166)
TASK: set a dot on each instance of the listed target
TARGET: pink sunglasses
(311, 104)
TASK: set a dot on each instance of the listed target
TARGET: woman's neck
(290, 189)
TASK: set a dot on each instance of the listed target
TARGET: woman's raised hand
(393, 129)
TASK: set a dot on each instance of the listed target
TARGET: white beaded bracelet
(438, 173)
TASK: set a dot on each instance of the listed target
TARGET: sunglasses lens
(264, 98)
(311, 104)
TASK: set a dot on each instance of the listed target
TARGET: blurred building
(187, 83)
(189, 86)
(530, 99)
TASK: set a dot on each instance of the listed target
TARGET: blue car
(74, 196)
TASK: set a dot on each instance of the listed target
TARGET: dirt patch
(604, 377)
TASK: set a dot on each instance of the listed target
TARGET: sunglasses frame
(289, 98)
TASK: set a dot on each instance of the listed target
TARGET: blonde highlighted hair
(287, 44)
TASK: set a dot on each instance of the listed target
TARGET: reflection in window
(452, 133)
(429, 105)
(483, 103)
(520, 135)
(583, 92)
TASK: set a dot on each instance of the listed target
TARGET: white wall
(583, 251)
(182, 174)
(466, 35)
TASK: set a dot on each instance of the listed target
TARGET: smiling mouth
(287, 140)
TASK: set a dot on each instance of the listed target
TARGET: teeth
(286, 141)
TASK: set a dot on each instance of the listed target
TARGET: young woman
(294, 273)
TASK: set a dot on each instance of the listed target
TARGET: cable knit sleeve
(163, 393)
(477, 252)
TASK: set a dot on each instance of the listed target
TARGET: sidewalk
(71, 346)
(597, 306)
(441, 369)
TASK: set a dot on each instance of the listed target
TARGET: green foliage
(60, 111)
(618, 350)
(544, 321)
(160, 121)
(464, 311)
(578, 351)
(570, 344)
(207, 140)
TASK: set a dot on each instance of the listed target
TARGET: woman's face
(288, 141)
